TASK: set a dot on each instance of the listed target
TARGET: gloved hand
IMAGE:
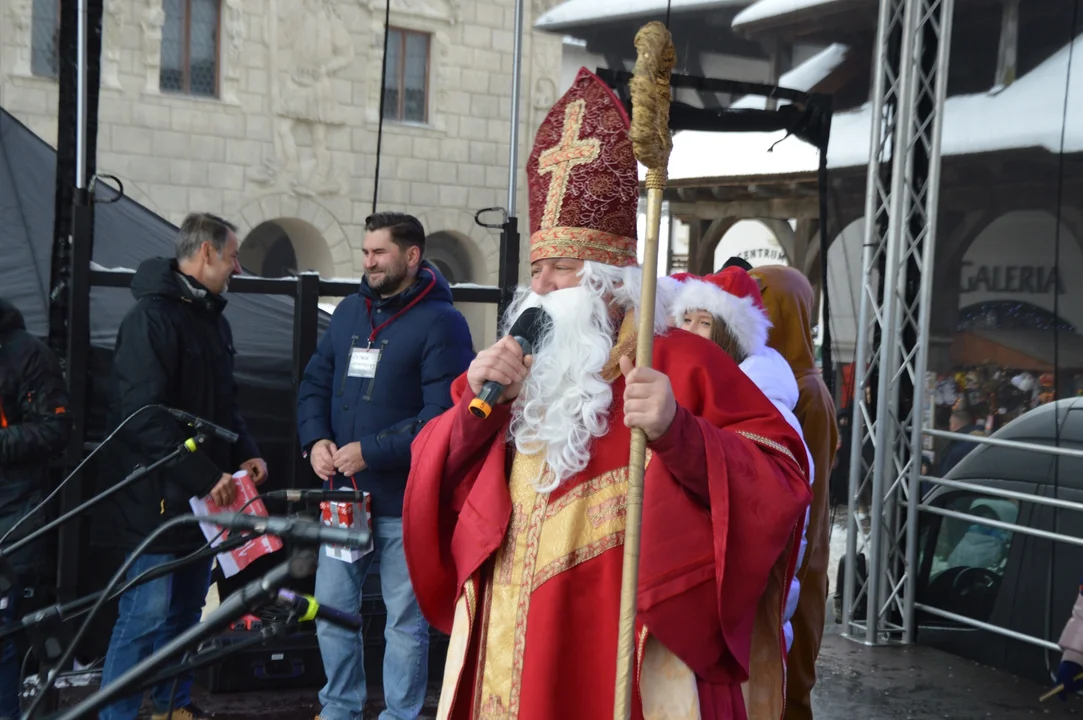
(1066, 674)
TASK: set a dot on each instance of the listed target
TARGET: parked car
(1008, 579)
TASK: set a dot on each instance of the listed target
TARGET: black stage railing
(306, 290)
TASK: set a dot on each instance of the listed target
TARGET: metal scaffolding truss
(909, 89)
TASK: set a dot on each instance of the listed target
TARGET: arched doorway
(453, 256)
(753, 241)
(285, 247)
(459, 260)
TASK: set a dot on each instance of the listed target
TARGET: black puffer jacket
(34, 424)
(174, 348)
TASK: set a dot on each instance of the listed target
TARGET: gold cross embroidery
(515, 527)
(559, 160)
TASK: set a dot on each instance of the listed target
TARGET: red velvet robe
(528, 584)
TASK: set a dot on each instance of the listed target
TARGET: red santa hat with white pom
(733, 296)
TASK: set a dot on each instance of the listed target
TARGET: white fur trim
(748, 323)
(668, 289)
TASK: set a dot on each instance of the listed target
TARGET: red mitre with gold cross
(583, 179)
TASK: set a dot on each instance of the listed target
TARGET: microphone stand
(7, 580)
(258, 592)
(44, 626)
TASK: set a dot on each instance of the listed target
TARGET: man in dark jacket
(381, 371)
(34, 427)
(954, 452)
(174, 348)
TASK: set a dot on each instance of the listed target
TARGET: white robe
(775, 379)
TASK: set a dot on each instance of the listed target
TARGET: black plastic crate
(289, 663)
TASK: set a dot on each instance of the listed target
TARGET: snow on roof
(767, 9)
(1027, 113)
(576, 13)
(697, 152)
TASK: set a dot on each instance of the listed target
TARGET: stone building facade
(267, 112)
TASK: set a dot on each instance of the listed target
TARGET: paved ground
(856, 682)
(913, 683)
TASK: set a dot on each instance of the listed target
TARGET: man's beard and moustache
(564, 402)
(392, 278)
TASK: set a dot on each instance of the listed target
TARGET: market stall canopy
(575, 14)
(1029, 113)
(1031, 350)
(125, 234)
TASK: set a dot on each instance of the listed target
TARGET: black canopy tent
(126, 233)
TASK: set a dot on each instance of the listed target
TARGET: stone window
(406, 87)
(45, 38)
(190, 38)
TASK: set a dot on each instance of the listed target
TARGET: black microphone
(300, 531)
(320, 495)
(311, 609)
(200, 424)
(526, 331)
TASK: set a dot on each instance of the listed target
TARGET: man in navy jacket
(381, 371)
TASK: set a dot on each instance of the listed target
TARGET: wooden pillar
(806, 242)
(780, 58)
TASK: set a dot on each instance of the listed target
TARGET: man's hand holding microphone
(503, 363)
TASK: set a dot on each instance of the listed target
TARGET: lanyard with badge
(363, 361)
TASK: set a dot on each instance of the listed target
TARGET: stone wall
(276, 144)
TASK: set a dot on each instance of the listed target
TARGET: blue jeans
(406, 659)
(150, 615)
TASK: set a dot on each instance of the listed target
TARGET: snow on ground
(1028, 113)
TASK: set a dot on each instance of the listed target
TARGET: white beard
(564, 402)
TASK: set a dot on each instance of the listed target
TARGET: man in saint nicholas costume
(514, 524)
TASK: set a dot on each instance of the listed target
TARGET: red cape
(703, 569)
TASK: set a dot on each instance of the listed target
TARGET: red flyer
(240, 558)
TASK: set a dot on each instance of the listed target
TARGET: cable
(105, 595)
(66, 657)
(72, 474)
(383, 95)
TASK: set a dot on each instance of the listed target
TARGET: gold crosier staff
(651, 139)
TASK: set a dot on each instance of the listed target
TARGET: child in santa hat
(727, 309)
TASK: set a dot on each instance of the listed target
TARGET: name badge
(363, 362)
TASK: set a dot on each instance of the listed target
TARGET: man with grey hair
(174, 349)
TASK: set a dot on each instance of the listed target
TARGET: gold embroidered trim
(641, 648)
(559, 160)
(534, 531)
(503, 574)
(586, 489)
(761, 440)
(577, 557)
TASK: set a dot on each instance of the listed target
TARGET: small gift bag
(353, 515)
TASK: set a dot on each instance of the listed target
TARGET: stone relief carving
(545, 93)
(152, 21)
(236, 32)
(545, 65)
(540, 7)
(309, 45)
(112, 41)
(22, 15)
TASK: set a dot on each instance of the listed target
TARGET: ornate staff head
(651, 98)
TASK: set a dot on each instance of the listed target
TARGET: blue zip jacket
(422, 350)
